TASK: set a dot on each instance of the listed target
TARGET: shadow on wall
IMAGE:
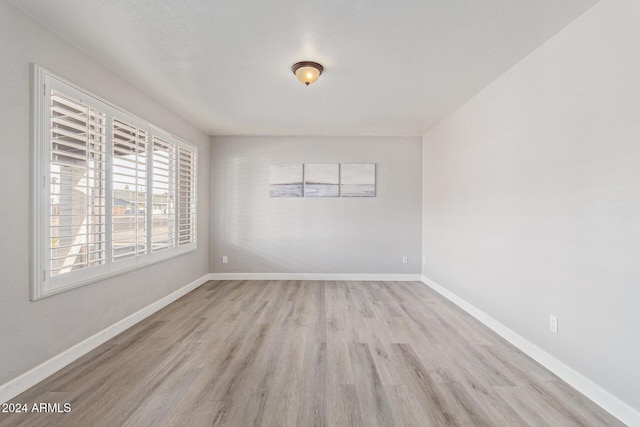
(268, 234)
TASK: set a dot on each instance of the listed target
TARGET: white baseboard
(30, 378)
(597, 394)
(317, 276)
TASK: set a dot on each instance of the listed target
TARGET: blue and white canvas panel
(321, 180)
(358, 179)
(285, 180)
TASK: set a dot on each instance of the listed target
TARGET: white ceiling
(391, 67)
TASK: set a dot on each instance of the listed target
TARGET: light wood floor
(278, 353)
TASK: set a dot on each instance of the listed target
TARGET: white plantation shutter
(163, 224)
(129, 191)
(112, 191)
(186, 196)
(77, 186)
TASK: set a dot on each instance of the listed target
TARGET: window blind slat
(163, 209)
(129, 226)
(186, 199)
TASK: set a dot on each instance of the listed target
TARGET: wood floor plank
(343, 407)
(431, 394)
(369, 388)
(308, 353)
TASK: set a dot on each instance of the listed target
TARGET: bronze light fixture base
(307, 71)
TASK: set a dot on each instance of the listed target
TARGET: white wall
(33, 332)
(260, 234)
(531, 198)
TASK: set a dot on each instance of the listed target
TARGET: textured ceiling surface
(391, 67)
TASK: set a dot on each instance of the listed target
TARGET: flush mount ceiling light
(307, 72)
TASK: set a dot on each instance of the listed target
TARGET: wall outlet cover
(553, 324)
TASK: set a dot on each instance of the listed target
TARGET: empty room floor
(309, 353)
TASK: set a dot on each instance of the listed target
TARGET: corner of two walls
(531, 200)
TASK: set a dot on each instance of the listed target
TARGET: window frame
(43, 284)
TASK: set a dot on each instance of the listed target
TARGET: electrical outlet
(553, 324)
(225, 259)
(405, 260)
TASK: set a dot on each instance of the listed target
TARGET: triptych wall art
(322, 180)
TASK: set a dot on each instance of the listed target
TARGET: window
(112, 192)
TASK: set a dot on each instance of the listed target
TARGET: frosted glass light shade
(307, 72)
